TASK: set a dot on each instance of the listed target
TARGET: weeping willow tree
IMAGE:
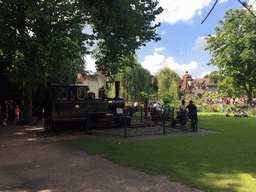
(134, 83)
(167, 84)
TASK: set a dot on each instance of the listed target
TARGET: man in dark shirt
(191, 107)
(192, 113)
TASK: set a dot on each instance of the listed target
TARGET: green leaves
(233, 50)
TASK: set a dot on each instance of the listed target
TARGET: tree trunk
(250, 95)
(26, 104)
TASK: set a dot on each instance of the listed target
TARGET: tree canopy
(233, 49)
(42, 41)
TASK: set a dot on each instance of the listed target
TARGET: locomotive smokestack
(117, 85)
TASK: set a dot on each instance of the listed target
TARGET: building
(196, 87)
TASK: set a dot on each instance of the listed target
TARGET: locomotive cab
(72, 105)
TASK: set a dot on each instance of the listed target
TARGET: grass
(216, 162)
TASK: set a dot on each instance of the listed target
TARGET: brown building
(196, 87)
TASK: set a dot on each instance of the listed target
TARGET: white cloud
(157, 61)
(183, 67)
(205, 73)
(200, 44)
(185, 10)
(90, 63)
(222, 1)
(159, 49)
(251, 2)
(153, 63)
(163, 32)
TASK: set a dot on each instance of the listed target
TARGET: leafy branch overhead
(123, 27)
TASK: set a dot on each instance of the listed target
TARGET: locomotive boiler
(72, 106)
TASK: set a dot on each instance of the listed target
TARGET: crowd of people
(154, 107)
(10, 112)
(230, 100)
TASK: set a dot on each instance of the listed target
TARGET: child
(148, 113)
(244, 113)
(17, 114)
(238, 113)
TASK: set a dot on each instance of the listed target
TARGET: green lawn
(218, 162)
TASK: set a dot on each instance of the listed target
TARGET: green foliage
(134, 83)
(216, 76)
(154, 85)
(233, 49)
(168, 84)
(123, 26)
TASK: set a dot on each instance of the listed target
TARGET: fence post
(164, 122)
(125, 124)
(141, 113)
(172, 114)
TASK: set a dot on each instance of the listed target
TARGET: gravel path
(29, 163)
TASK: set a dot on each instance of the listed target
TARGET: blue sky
(182, 45)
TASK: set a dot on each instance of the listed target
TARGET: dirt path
(28, 163)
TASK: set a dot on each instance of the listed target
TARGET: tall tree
(233, 49)
(174, 91)
(165, 78)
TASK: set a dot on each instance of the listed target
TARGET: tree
(233, 49)
(134, 82)
(39, 41)
(174, 90)
(154, 85)
(215, 76)
(166, 78)
(122, 26)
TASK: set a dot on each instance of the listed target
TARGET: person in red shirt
(17, 114)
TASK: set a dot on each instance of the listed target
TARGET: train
(73, 106)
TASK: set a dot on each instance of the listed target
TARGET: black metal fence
(138, 124)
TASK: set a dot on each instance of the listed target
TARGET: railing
(139, 125)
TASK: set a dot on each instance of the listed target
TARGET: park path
(29, 163)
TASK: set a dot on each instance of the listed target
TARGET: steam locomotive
(72, 106)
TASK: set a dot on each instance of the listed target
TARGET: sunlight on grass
(230, 182)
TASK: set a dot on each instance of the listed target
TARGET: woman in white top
(156, 105)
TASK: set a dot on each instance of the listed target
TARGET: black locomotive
(72, 106)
